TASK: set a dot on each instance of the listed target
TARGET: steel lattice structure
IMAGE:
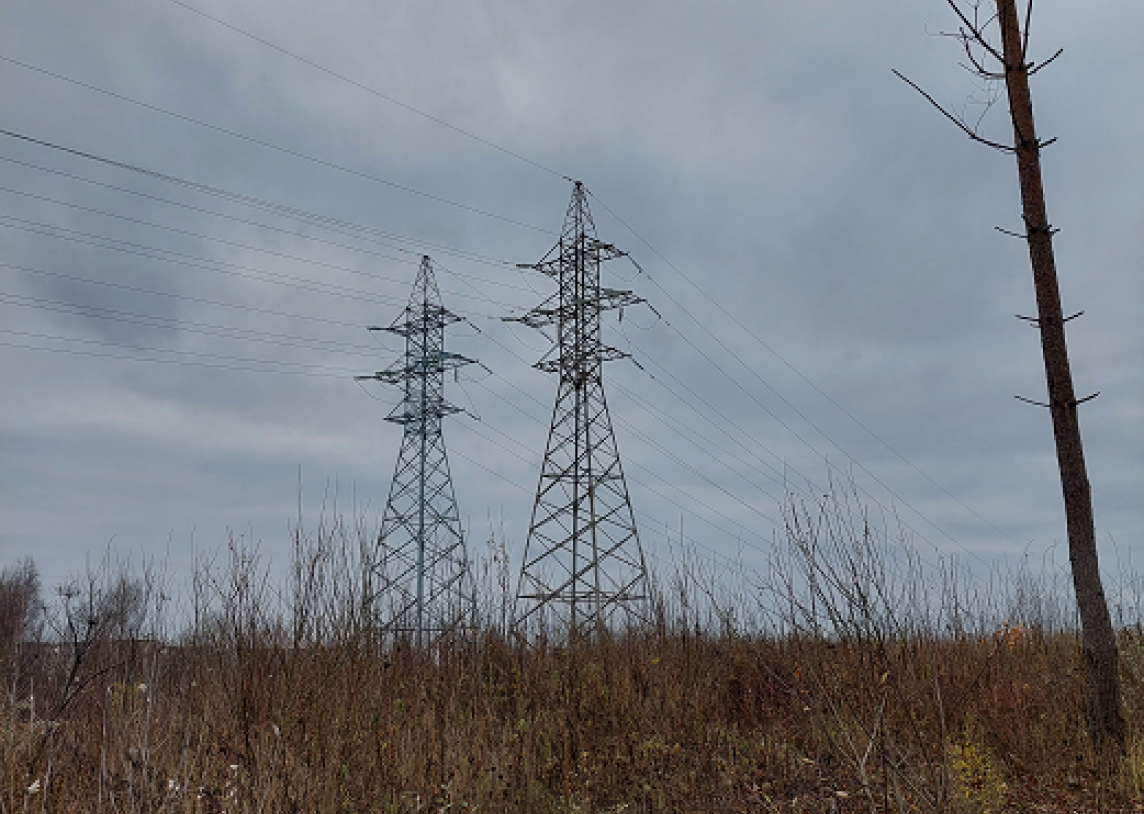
(418, 581)
(583, 565)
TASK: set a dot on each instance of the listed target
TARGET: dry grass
(851, 696)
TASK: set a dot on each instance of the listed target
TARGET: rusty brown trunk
(1101, 655)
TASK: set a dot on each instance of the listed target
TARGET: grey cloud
(764, 149)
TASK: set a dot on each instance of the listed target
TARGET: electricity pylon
(583, 565)
(418, 581)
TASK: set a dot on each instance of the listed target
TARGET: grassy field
(834, 682)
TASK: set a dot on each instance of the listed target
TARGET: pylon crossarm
(400, 414)
(618, 298)
(389, 376)
(541, 316)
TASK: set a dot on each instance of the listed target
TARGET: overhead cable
(271, 146)
(325, 221)
(373, 91)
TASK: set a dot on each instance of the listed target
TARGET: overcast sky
(818, 241)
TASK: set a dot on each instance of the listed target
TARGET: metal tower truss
(583, 568)
(418, 581)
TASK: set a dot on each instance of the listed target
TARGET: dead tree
(1008, 62)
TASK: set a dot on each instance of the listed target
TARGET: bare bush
(851, 675)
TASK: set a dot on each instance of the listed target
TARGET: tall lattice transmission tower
(583, 565)
(418, 582)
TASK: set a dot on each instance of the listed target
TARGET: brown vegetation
(847, 688)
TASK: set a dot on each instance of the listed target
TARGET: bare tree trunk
(1099, 641)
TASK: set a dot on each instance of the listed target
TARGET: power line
(754, 373)
(723, 416)
(643, 514)
(643, 484)
(635, 464)
(210, 264)
(679, 427)
(173, 295)
(624, 425)
(812, 447)
(270, 227)
(257, 365)
(204, 263)
(373, 91)
(338, 225)
(271, 146)
(725, 311)
(708, 418)
(726, 419)
(207, 237)
(806, 379)
(96, 354)
(170, 323)
(235, 244)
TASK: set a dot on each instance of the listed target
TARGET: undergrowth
(842, 678)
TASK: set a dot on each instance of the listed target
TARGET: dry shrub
(849, 676)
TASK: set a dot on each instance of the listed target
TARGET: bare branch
(1012, 234)
(980, 68)
(961, 35)
(995, 94)
(976, 32)
(993, 18)
(967, 130)
(1046, 62)
(1025, 38)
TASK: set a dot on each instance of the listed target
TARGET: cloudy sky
(817, 241)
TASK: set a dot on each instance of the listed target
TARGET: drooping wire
(272, 146)
(642, 485)
(204, 263)
(306, 216)
(373, 91)
(174, 295)
(628, 428)
(235, 244)
(754, 373)
(210, 264)
(643, 515)
(171, 323)
(257, 365)
(707, 330)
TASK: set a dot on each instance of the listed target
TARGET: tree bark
(1101, 655)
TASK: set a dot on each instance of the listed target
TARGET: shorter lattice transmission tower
(418, 582)
(583, 568)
